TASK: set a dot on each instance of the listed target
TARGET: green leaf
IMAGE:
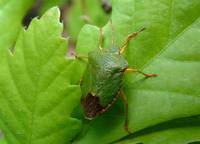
(37, 87)
(91, 9)
(178, 132)
(174, 94)
(46, 4)
(3, 141)
(170, 48)
(11, 15)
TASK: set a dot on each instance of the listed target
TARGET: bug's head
(119, 64)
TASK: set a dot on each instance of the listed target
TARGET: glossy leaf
(169, 47)
(185, 131)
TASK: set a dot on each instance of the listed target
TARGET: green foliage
(175, 132)
(169, 47)
(38, 84)
(46, 4)
(3, 141)
(37, 92)
(11, 15)
(91, 8)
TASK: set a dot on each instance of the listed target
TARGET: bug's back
(102, 80)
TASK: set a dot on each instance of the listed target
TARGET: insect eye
(116, 69)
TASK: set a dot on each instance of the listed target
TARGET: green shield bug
(101, 84)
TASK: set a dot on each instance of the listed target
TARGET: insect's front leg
(138, 71)
(126, 111)
(129, 37)
(81, 57)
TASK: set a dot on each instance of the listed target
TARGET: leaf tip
(54, 13)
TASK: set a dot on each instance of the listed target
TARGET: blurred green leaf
(37, 86)
(89, 9)
(169, 47)
(3, 141)
(11, 15)
(46, 4)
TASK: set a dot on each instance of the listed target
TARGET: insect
(101, 84)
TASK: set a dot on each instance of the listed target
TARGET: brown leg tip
(150, 75)
(127, 130)
(143, 29)
(102, 111)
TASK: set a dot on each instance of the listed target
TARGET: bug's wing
(86, 81)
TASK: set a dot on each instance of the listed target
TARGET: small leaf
(82, 11)
(37, 89)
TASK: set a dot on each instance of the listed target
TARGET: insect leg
(129, 37)
(81, 57)
(101, 39)
(138, 71)
(126, 111)
(110, 104)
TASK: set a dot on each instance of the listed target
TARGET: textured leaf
(11, 15)
(170, 48)
(80, 8)
(37, 92)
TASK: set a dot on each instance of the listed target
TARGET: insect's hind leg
(138, 71)
(110, 104)
(126, 111)
(129, 37)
